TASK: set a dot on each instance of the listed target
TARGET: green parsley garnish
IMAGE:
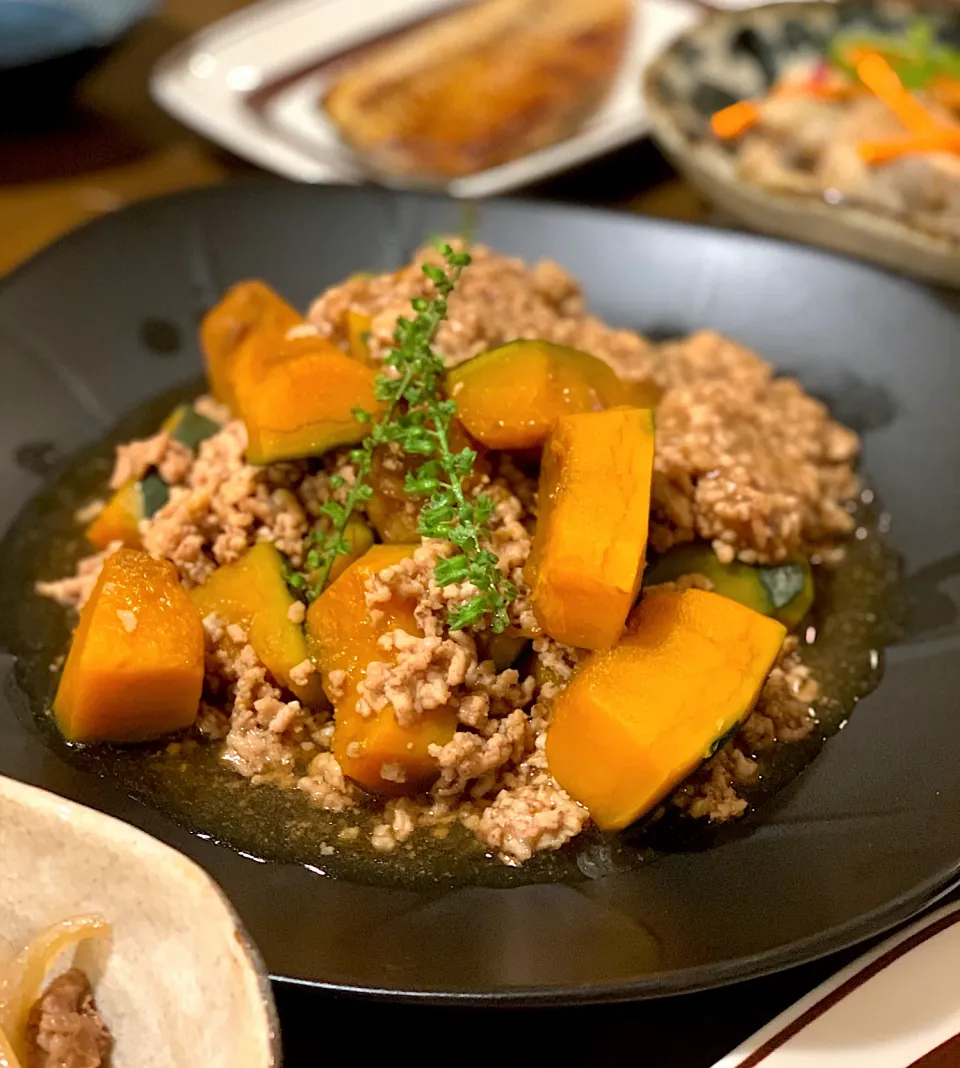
(417, 418)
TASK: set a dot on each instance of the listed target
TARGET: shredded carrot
(735, 120)
(817, 88)
(943, 139)
(881, 79)
(928, 133)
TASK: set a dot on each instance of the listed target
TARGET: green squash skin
(189, 428)
(718, 743)
(154, 493)
(783, 591)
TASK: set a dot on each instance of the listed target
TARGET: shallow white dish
(177, 979)
(251, 83)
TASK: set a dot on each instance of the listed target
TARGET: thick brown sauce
(850, 624)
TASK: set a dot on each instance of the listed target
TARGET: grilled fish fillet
(485, 84)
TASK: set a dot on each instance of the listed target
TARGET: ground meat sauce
(744, 460)
(65, 1028)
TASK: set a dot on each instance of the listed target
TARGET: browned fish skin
(482, 86)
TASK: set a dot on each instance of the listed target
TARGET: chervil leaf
(453, 569)
(416, 417)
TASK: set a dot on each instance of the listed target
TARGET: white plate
(245, 83)
(898, 1006)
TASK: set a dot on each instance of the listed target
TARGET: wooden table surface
(114, 146)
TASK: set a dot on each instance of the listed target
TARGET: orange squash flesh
(588, 552)
(637, 719)
(345, 639)
(119, 520)
(248, 308)
(511, 397)
(252, 593)
(304, 406)
(360, 538)
(394, 514)
(135, 667)
(261, 354)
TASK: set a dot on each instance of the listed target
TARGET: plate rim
(837, 938)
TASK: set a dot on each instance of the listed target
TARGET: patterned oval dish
(737, 55)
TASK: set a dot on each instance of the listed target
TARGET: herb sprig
(417, 418)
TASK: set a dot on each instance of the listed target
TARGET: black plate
(106, 319)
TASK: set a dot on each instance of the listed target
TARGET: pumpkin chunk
(261, 354)
(784, 591)
(133, 501)
(637, 719)
(360, 538)
(512, 396)
(393, 512)
(305, 405)
(252, 593)
(135, 667)
(345, 641)
(120, 518)
(587, 558)
(248, 308)
(503, 649)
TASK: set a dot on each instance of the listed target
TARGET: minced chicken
(743, 459)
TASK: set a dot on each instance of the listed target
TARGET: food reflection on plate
(406, 584)
(117, 952)
(485, 84)
(874, 121)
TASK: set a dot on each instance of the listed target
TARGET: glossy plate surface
(100, 323)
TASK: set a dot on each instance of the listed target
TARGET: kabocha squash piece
(784, 591)
(261, 354)
(133, 501)
(252, 593)
(358, 333)
(637, 719)
(588, 552)
(186, 425)
(511, 397)
(503, 649)
(345, 639)
(120, 519)
(135, 667)
(248, 308)
(121, 515)
(393, 512)
(304, 406)
(369, 750)
(360, 538)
